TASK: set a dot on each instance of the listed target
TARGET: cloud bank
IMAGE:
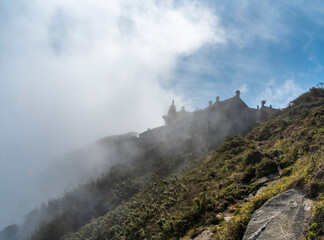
(74, 71)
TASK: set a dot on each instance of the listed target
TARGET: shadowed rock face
(285, 216)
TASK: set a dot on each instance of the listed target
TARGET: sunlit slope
(224, 182)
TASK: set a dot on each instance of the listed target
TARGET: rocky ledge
(285, 216)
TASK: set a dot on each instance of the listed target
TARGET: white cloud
(278, 92)
(244, 88)
(99, 61)
(74, 71)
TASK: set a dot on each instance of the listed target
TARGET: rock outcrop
(285, 216)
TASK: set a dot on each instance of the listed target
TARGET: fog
(72, 72)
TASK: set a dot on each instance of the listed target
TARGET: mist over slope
(162, 192)
(226, 181)
(89, 163)
(72, 72)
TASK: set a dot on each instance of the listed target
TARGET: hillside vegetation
(96, 198)
(225, 181)
(171, 194)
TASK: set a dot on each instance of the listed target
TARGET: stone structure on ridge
(210, 125)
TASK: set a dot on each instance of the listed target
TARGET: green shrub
(253, 157)
(266, 167)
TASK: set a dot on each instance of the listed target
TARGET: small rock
(205, 235)
(267, 178)
(307, 208)
(227, 219)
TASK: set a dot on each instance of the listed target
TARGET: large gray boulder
(285, 217)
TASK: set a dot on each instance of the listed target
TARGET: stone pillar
(263, 102)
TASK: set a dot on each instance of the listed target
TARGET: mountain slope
(96, 198)
(226, 180)
(167, 192)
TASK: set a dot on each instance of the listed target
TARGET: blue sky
(74, 71)
(269, 45)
